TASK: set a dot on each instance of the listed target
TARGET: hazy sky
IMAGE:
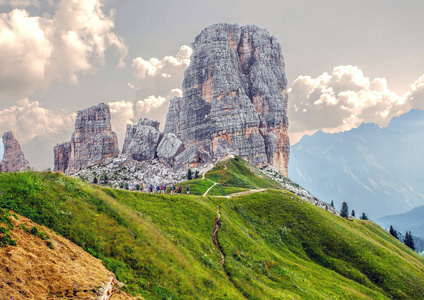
(347, 62)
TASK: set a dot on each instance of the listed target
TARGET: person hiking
(188, 190)
(164, 189)
(179, 189)
(161, 189)
(173, 190)
(151, 188)
(157, 189)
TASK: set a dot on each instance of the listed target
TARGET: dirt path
(216, 242)
(244, 193)
(214, 183)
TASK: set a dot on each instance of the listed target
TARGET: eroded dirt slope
(32, 270)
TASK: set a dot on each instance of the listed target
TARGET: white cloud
(416, 95)
(344, 99)
(28, 120)
(126, 112)
(122, 113)
(160, 77)
(149, 104)
(38, 51)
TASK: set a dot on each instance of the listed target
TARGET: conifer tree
(409, 240)
(353, 213)
(332, 203)
(344, 212)
(364, 217)
(393, 232)
(189, 175)
(196, 174)
(95, 180)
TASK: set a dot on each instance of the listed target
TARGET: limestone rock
(187, 159)
(234, 97)
(92, 142)
(13, 157)
(62, 154)
(169, 147)
(141, 140)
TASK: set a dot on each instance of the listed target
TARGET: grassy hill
(276, 246)
(232, 175)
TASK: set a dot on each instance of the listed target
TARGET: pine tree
(393, 232)
(95, 180)
(196, 174)
(353, 213)
(189, 175)
(344, 212)
(332, 203)
(409, 240)
(363, 217)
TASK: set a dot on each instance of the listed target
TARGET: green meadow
(276, 246)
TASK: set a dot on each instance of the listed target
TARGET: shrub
(34, 231)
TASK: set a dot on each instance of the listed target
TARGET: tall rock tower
(13, 157)
(92, 141)
(234, 97)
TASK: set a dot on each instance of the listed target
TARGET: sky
(347, 62)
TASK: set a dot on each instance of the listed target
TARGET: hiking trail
(216, 242)
(214, 183)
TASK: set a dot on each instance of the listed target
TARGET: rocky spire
(92, 142)
(234, 97)
(13, 158)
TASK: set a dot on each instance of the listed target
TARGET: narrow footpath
(214, 183)
(216, 242)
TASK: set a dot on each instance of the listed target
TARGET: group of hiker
(159, 189)
(162, 189)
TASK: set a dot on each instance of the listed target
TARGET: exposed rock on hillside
(169, 147)
(13, 157)
(92, 141)
(49, 269)
(122, 170)
(62, 154)
(234, 98)
(141, 140)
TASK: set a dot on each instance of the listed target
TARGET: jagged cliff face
(141, 140)
(62, 154)
(13, 157)
(234, 97)
(92, 142)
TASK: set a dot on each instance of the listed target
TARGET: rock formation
(13, 157)
(169, 147)
(62, 154)
(92, 142)
(234, 98)
(141, 140)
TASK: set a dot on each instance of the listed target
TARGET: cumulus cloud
(126, 112)
(122, 113)
(344, 99)
(28, 121)
(37, 51)
(160, 77)
(416, 95)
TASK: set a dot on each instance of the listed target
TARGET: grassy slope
(233, 176)
(276, 246)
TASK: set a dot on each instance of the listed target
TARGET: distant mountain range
(375, 170)
(410, 221)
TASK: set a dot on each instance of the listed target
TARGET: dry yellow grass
(31, 270)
